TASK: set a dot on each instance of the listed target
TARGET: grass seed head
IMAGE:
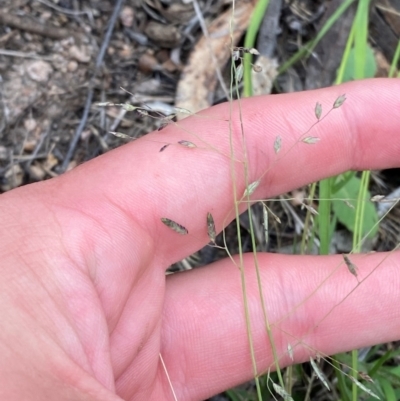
(251, 188)
(277, 144)
(311, 140)
(164, 147)
(350, 265)
(318, 110)
(178, 228)
(187, 144)
(339, 101)
(211, 228)
(239, 72)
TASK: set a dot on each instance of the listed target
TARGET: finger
(184, 184)
(313, 303)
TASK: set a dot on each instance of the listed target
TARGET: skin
(86, 307)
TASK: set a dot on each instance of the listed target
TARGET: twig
(63, 10)
(26, 24)
(15, 53)
(89, 98)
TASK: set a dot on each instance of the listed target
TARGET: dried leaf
(174, 226)
(187, 144)
(377, 198)
(311, 140)
(282, 392)
(251, 188)
(120, 135)
(319, 373)
(239, 72)
(164, 147)
(339, 101)
(350, 265)
(318, 110)
(211, 228)
(277, 144)
(362, 387)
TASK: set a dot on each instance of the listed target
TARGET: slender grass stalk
(324, 218)
(249, 41)
(346, 55)
(233, 82)
(307, 222)
(360, 51)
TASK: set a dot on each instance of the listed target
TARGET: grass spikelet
(251, 188)
(211, 228)
(282, 392)
(318, 110)
(350, 265)
(187, 144)
(277, 144)
(311, 140)
(178, 228)
(339, 101)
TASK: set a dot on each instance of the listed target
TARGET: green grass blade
(307, 49)
(249, 41)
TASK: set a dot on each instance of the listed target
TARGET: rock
(39, 70)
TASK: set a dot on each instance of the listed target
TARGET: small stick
(99, 61)
(26, 24)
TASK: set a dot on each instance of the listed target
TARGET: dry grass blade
(282, 392)
(362, 387)
(178, 228)
(319, 373)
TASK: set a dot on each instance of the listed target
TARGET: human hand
(86, 308)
